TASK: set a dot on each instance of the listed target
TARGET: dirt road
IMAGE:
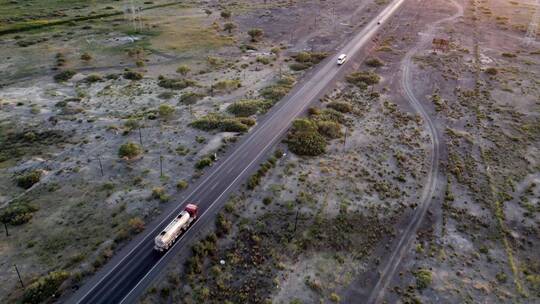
(407, 238)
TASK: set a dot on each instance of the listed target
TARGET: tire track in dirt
(407, 238)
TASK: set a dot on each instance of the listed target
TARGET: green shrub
(17, 213)
(93, 78)
(303, 57)
(365, 78)
(374, 62)
(334, 297)
(226, 14)
(277, 91)
(492, 71)
(256, 34)
(129, 150)
(160, 194)
(223, 225)
(190, 98)
(136, 225)
(176, 84)
(165, 110)
(45, 287)
(263, 60)
(509, 55)
(232, 125)
(224, 124)
(203, 163)
(183, 70)
(64, 75)
(247, 107)
(132, 124)
(182, 184)
(423, 278)
(229, 26)
(27, 180)
(86, 57)
(330, 115)
(267, 200)
(307, 143)
(298, 66)
(166, 95)
(329, 129)
(304, 125)
(340, 106)
(131, 75)
(227, 85)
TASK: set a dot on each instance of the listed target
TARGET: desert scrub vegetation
(175, 84)
(45, 287)
(17, 213)
(305, 139)
(132, 75)
(256, 34)
(340, 106)
(129, 150)
(64, 75)
(374, 62)
(165, 110)
(255, 179)
(248, 107)
(363, 79)
(28, 179)
(277, 91)
(308, 136)
(423, 278)
(226, 85)
(222, 123)
(305, 60)
(190, 98)
(160, 194)
(183, 70)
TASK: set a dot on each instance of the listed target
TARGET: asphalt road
(133, 269)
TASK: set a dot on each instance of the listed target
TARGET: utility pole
(345, 138)
(161, 166)
(7, 232)
(19, 275)
(100, 165)
(140, 136)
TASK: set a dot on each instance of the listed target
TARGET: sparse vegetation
(27, 180)
(129, 150)
(45, 287)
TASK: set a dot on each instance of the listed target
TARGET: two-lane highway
(130, 273)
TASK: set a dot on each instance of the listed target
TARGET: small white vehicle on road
(341, 59)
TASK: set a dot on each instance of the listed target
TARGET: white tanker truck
(175, 228)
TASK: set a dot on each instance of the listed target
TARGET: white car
(341, 59)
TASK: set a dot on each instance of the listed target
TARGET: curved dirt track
(409, 234)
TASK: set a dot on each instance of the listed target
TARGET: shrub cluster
(129, 150)
(305, 60)
(255, 179)
(423, 278)
(277, 91)
(340, 106)
(17, 213)
(44, 287)
(248, 107)
(224, 124)
(64, 75)
(308, 136)
(131, 75)
(190, 98)
(227, 85)
(175, 84)
(204, 162)
(160, 194)
(374, 62)
(27, 180)
(363, 79)
(165, 110)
